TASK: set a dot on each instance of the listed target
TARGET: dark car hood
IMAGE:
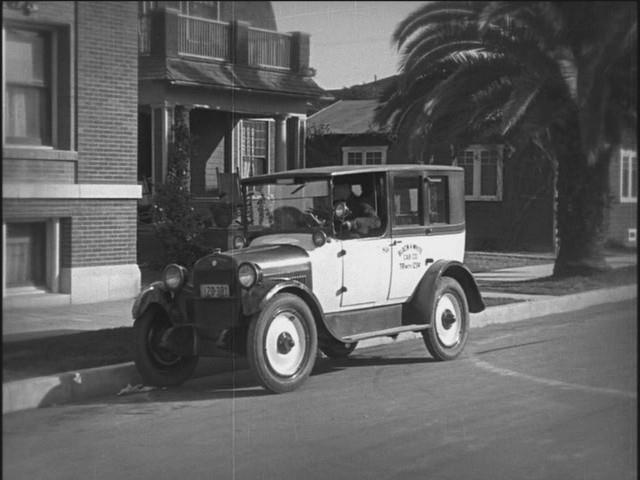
(273, 260)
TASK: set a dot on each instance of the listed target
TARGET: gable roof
(347, 117)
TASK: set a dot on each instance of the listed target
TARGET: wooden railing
(200, 37)
(269, 49)
(216, 40)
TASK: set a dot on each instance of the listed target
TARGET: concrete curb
(109, 380)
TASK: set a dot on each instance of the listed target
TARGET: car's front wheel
(447, 335)
(157, 364)
(282, 343)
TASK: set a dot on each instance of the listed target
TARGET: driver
(362, 216)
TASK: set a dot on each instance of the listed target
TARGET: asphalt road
(551, 398)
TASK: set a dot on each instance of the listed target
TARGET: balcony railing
(200, 37)
(167, 32)
(269, 49)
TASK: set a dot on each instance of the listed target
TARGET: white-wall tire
(282, 343)
(449, 328)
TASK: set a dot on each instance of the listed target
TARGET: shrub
(178, 225)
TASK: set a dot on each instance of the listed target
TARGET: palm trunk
(583, 201)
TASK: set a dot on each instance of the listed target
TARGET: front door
(366, 271)
(366, 259)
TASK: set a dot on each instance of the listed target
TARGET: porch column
(53, 255)
(281, 143)
(161, 138)
(297, 127)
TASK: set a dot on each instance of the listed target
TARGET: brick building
(69, 164)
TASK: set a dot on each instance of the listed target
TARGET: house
(245, 88)
(509, 195)
(623, 212)
(69, 152)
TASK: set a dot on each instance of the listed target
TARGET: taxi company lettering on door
(410, 256)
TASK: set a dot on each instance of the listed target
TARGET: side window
(406, 201)
(364, 196)
(438, 199)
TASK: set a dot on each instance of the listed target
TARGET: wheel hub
(285, 343)
(448, 319)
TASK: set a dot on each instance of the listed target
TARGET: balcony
(167, 32)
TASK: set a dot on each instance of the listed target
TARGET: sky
(350, 41)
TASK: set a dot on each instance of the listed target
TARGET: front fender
(423, 297)
(256, 298)
(157, 294)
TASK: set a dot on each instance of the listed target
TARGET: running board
(385, 333)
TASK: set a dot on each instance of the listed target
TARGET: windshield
(287, 205)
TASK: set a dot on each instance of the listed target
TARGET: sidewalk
(38, 322)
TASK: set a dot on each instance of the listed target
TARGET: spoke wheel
(449, 330)
(282, 343)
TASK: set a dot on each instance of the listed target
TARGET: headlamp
(174, 277)
(248, 275)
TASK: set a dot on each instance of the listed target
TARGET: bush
(178, 225)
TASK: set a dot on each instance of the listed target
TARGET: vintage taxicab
(328, 257)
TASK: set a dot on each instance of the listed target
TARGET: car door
(366, 271)
(412, 249)
(366, 260)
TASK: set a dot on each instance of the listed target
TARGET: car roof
(338, 170)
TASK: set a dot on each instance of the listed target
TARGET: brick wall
(107, 89)
(93, 232)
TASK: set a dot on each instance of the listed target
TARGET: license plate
(214, 290)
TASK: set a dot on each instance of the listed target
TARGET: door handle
(395, 242)
(427, 231)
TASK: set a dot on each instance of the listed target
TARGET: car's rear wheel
(447, 335)
(336, 349)
(157, 364)
(282, 343)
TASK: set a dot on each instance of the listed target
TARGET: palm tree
(560, 76)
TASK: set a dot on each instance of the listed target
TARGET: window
(364, 155)
(32, 255)
(628, 176)
(438, 200)
(482, 172)
(406, 201)
(254, 145)
(28, 87)
(202, 9)
(25, 254)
